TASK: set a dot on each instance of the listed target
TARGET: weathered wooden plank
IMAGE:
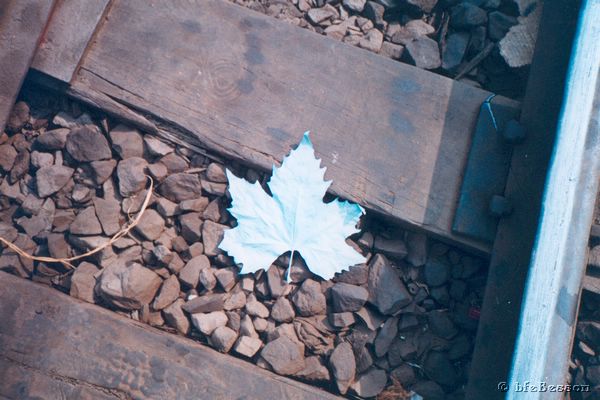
(22, 23)
(69, 32)
(511, 255)
(559, 260)
(394, 138)
(51, 341)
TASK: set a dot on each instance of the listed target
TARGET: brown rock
(83, 281)
(207, 279)
(180, 187)
(386, 336)
(58, 246)
(20, 166)
(87, 144)
(386, 290)
(212, 234)
(346, 297)
(254, 308)
(313, 370)
(309, 300)
(247, 346)
(216, 189)
(157, 171)
(169, 291)
(282, 310)
(191, 227)
(51, 179)
(227, 278)
(156, 147)
(109, 215)
(175, 317)
(208, 322)
(190, 274)
(283, 356)
(216, 173)
(127, 142)
(194, 205)
(131, 176)
(40, 160)
(151, 225)
(174, 163)
(18, 117)
(206, 303)
(53, 140)
(371, 383)
(223, 339)
(102, 170)
(86, 223)
(128, 286)
(343, 366)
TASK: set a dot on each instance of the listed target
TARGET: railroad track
(433, 161)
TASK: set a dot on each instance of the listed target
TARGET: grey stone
(372, 41)
(429, 390)
(466, 15)
(410, 31)
(227, 278)
(151, 225)
(394, 248)
(55, 139)
(439, 368)
(355, 5)
(18, 116)
(343, 366)
(190, 274)
(356, 275)
(374, 11)
(206, 323)
(423, 52)
(371, 383)
(283, 356)
(196, 205)
(50, 180)
(128, 286)
(213, 188)
(386, 290)
(416, 243)
(191, 226)
(405, 374)
(87, 144)
(454, 52)
(346, 297)
(342, 320)
(499, 24)
(180, 187)
(236, 301)
(392, 50)
(157, 171)
(174, 163)
(132, 178)
(318, 15)
(40, 160)
(207, 279)
(254, 308)
(216, 173)
(436, 273)
(127, 142)
(276, 283)
(282, 310)
(86, 223)
(156, 147)
(309, 300)
(109, 215)
(314, 370)
(386, 336)
(212, 234)
(223, 339)
(169, 291)
(175, 317)
(83, 281)
(206, 303)
(247, 346)
(441, 324)
(102, 170)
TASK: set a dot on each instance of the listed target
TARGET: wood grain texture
(69, 32)
(56, 347)
(394, 138)
(22, 23)
(515, 238)
(559, 256)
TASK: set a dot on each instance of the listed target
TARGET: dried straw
(67, 261)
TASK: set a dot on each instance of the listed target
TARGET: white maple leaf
(295, 219)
